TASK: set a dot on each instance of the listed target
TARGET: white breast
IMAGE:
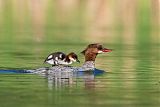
(64, 63)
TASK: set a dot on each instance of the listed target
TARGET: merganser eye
(100, 48)
(75, 57)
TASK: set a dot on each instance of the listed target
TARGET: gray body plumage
(87, 66)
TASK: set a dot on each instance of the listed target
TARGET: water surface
(131, 78)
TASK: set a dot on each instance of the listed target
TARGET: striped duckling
(60, 58)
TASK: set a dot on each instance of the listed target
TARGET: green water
(132, 78)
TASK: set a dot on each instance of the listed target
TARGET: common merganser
(59, 58)
(90, 54)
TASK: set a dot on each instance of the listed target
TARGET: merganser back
(90, 54)
(59, 58)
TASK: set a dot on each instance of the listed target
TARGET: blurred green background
(79, 21)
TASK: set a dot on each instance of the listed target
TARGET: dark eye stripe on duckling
(74, 56)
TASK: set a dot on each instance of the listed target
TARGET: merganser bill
(90, 53)
(59, 58)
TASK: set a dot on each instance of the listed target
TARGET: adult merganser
(90, 54)
(59, 58)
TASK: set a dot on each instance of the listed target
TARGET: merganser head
(93, 50)
(73, 57)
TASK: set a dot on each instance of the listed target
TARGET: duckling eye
(75, 57)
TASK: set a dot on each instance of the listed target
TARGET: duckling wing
(54, 58)
(60, 55)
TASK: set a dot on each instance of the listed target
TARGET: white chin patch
(64, 63)
(100, 52)
(72, 59)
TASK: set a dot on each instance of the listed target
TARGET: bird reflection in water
(68, 79)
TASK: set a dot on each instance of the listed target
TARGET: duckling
(60, 58)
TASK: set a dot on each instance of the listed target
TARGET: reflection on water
(62, 79)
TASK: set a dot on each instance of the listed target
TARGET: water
(132, 78)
